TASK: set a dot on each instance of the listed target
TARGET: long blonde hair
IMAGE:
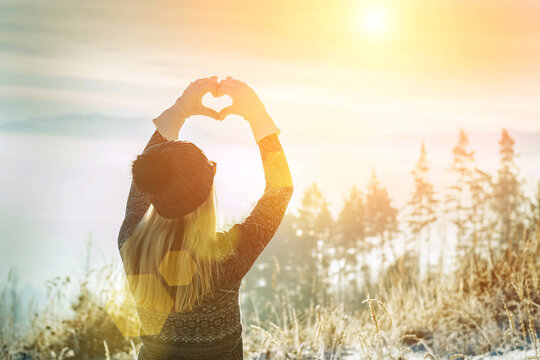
(176, 249)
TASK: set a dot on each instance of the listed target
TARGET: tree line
(478, 204)
(485, 211)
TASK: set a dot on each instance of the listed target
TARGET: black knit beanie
(175, 176)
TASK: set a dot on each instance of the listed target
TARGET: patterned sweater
(213, 330)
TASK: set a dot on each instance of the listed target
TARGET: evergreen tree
(458, 198)
(324, 222)
(352, 219)
(507, 192)
(381, 215)
(480, 186)
(314, 221)
(351, 225)
(311, 206)
(312, 224)
(422, 203)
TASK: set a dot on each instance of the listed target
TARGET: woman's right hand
(247, 104)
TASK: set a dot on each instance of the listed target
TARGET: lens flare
(373, 20)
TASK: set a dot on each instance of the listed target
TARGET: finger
(230, 81)
(206, 85)
(203, 110)
(227, 89)
(233, 86)
(235, 81)
(221, 90)
(215, 78)
(227, 111)
(200, 81)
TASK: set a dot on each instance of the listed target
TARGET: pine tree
(480, 186)
(422, 203)
(352, 219)
(381, 216)
(507, 192)
(314, 221)
(312, 224)
(351, 225)
(458, 198)
(324, 222)
(310, 207)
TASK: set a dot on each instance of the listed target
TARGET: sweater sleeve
(248, 239)
(137, 204)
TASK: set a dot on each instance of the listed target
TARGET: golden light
(373, 20)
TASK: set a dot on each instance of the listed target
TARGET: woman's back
(213, 328)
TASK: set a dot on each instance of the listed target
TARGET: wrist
(262, 125)
(169, 123)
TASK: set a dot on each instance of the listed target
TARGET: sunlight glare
(373, 20)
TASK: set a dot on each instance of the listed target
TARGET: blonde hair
(160, 245)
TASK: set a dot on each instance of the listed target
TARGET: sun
(372, 20)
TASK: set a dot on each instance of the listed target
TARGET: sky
(432, 64)
(355, 86)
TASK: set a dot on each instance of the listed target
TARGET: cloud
(102, 57)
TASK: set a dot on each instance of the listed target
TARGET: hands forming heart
(246, 103)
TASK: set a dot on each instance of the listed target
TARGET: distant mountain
(85, 125)
(98, 126)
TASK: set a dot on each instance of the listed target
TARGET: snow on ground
(509, 355)
(348, 354)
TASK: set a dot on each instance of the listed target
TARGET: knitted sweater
(213, 330)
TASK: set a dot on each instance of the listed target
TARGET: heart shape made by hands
(216, 103)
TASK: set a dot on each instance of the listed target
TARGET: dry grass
(489, 303)
(71, 328)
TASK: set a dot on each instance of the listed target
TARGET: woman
(185, 276)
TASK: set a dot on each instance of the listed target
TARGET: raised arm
(168, 126)
(137, 204)
(249, 238)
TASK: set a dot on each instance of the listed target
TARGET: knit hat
(175, 176)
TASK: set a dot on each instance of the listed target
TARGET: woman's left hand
(171, 120)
